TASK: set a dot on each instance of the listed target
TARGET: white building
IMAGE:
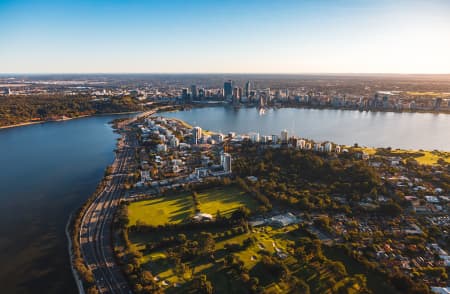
(174, 142)
(196, 134)
(161, 147)
(145, 176)
(218, 137)
(301, 144)
(254, 137)
(266, 139)
(317, 147)
(225, 161)
(328, 147)
(284, 136)
(337, 149)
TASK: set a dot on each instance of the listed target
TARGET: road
(95, 233)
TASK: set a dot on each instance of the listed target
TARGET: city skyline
(406, 37)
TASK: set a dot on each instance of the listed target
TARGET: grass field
(428, 157)
(177, 208)
(162, 210)
(422, 157)
(225, 199)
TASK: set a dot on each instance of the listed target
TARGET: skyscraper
(185, 95)
(228, 90)
(196, 134)
(194, 93)
(248, 88)
(201, 93)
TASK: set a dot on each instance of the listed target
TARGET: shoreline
(75, 274)
(82, 210)
(24, 124)
(370, 149)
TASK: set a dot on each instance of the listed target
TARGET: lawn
(422, 157)
(177, 208)
(428, 157)
(162, 210)
(225, 199)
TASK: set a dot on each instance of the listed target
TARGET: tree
(390, 208)
(202, 286)
(206, 243)
(92, 290)
(241, 212)
(146, 277)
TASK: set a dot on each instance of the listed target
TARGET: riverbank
(75, 274)
(24, 124)
(188, 126)
(82, 272)
(408, 131)
(318, 107)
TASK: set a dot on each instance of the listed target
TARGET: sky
(228, 36)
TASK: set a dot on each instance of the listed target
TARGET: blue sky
(302, 36)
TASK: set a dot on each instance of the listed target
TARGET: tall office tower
(225, 161)
(194, 93)
(228, 90)
(196, 134)
(248, 88)
(237, 93)
(284, 136)
(201, 93)
(185, 95)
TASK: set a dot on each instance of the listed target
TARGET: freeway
(95, 233)
(96, 242)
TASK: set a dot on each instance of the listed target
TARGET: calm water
(46, 172)
(375, 129)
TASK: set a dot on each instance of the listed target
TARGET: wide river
(47, 171)
(374, 129)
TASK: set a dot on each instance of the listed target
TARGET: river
(375, 129)
(47, 171)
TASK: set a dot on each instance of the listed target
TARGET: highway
(95, 233)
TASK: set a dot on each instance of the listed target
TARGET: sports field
(179, 207)
(162, 210)
(224, 199)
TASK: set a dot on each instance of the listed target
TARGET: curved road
(95, 232)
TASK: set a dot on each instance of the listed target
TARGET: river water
(47, 171)
(375, 129)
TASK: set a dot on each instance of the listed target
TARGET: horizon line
(220, 73)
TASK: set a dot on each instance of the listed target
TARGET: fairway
(162, 210)
(225, 199)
